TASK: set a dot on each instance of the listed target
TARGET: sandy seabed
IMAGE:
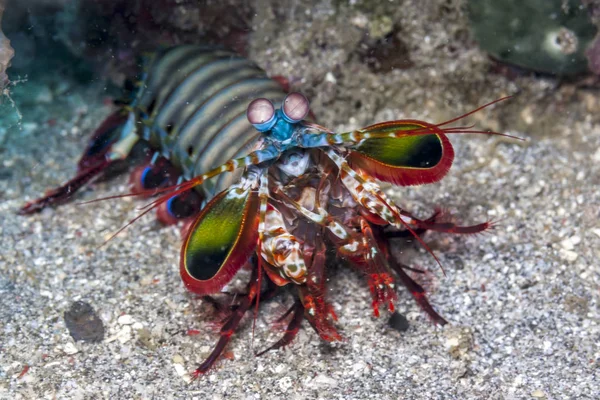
(522, 301)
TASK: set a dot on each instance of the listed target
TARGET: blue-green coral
(548, 36)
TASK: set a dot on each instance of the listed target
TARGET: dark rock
(83, 323)
(398, 322)
(386, 54)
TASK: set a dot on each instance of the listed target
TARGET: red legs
(430, 224)
(297, 311)
(227, 305)
(365, 250)
(312, 297)
(416, 290)
(224, 307)
(220, 306)
(403, 233)
(433, 224)
(319, 314)
(311, 305)
(285, 315)
(317, 311)
(381, 283)
(234, 315)
(397, 233)
(231, 324)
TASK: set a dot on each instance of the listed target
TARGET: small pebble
(125, 320)
(124, 334)
(538, 394)
(178, 359)
(70, 348)
(285, 383)
(568, 255)
(325, 380)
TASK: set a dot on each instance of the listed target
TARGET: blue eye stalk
(262, 115)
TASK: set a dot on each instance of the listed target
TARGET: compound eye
(295, 107)
(261, 114)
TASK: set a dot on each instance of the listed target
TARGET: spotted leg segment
(286, 262)
(317, 311)
(381, 283)
(367, 193)
(400, 269)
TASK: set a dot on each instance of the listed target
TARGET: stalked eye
(261, 114)
(295, 107)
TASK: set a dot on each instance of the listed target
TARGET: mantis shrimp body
(263, 188)
(189, 105)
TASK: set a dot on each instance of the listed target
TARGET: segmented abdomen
(192, 106)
